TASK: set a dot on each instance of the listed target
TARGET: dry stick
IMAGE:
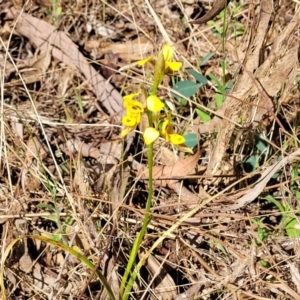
(218, 6)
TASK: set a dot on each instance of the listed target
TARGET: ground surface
(67, 179)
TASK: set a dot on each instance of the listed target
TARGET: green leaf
(260, 143)
(46, 206)
(228, 88)
(222, 248)
(199, 77)
(236, 9)
(292, 228)
(53, 218)
(251, 163)
(237, 33)
(204, 116)
(206, 58)
(276, 202)
(295, 173)
(263, 233)
(191, 140)
(219, 98)
(187, 88)
(220, 86)
(264, 263)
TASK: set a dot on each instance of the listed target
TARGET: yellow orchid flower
(134, 111)
(134, 108)
(134, 105)
(142, 62)
(150, 135)
(125, 131)
(167, 133)
(154, 104)
(130, 96)
(176, 139)
(129, 121)
(168, 53)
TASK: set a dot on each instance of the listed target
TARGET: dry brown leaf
(110, 266)
(32, 69)
(166, 287)
(34, 155)
(261, 183)
(295, 275)
(180, 169)
(131, 50)
(47, 38)
(107, 153)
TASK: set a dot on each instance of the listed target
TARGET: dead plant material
(181, 168)
(195, 253)
(217, 8)
(253, 193)
(251, 102)
(48, 39)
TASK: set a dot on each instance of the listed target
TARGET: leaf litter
(65, 174)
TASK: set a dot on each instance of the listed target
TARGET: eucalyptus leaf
(206, 58)
(186, 87)
(251, 163)
(199, 77)
(260, 143)
(191, 140)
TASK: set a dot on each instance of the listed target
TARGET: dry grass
(65, 174)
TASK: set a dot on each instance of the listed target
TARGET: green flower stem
(138, 241)
(146, 221)
(126, 285)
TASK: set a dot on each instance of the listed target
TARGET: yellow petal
(137, 117)
(130, 96)
(176, 139)
(174, 66)
(154, 103)
(150, 135)
(125, 131)
(133, 106)
(164, 127)
(185, 149)
(129, 121)
(144, 61)
(168, 52)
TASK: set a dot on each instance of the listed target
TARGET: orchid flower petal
(129, 121)
(150, 135)
(176, 139)
(130, 96)
(168, 52)
(154, 104)
(174, 66)
(125, 131)
(144, 61)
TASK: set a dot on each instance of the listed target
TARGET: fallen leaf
(165, 288)
(261, 183)
(47, 38)
(162, 174)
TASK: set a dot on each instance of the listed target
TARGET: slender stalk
(126, 285)
(224, 49)
(138, 241)
(140, 237)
